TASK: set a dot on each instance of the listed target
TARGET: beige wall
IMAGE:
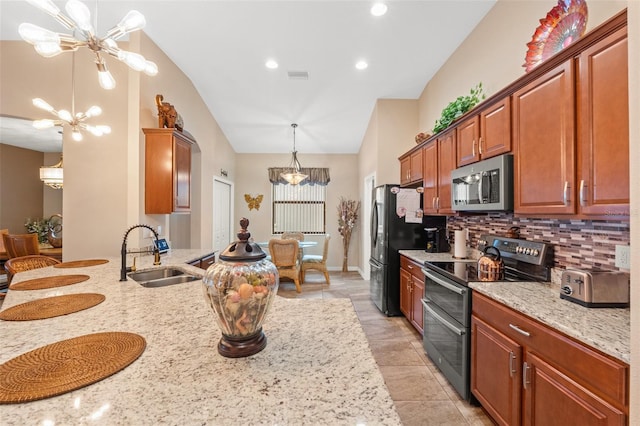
(392, 127)
(494, 53)
(212, 154)
(252, 178)
(104, 184)
(21, 191)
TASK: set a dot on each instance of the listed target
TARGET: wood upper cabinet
(524, 372)
(430, 177)
(439, 160)
(411, 167)
(446, 164)
(486, 134)
(167, 171)
(411, 292)
(603, 127)
(583, 173)
(544, 143)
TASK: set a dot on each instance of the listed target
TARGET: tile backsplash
(582, 244)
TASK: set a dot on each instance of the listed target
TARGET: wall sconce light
(52, 175)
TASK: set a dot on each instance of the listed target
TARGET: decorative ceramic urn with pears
(240, 288)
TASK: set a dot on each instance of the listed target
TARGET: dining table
(301, 246)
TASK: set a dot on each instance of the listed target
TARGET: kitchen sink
(161, 277)
(161, 282)
(155, 274)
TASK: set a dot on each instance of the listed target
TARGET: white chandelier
(48, 43)
(293, 175)
(73, 119)
(52, 176)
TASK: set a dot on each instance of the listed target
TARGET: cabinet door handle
(433, 203)
(565, 194)
(512, 367)
(519, 330)
(437, 202)
(583, 186)
(473, 148)
(525, 375)
(409, 266)
(480, 146)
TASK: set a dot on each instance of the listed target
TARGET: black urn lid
(243, 250)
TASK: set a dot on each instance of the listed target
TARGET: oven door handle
(458, 331)
(443, 283)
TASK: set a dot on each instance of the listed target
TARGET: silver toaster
(596, 288)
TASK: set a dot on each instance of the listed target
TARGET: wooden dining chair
(284, 254)
(293, 235)
(18, 245)
(316, 262)
(3, 253)
(27, 263)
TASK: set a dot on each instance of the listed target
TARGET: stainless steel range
(447, 301)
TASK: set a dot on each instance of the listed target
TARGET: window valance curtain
(317, 175)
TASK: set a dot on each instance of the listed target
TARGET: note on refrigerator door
(408, 205)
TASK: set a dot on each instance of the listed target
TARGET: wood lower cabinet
(205, 261)
(554, 398)
(497, 389)
(411, 292)
(524, 372)
(485, 135)
(167, 171)
(439, 160)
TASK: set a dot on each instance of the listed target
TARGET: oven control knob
(536, 252)
(527, 251)
(518, 249)
(567, 290)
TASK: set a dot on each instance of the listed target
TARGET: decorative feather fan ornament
(253, 202)
(563, 25)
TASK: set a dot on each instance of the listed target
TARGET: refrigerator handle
(374, 224)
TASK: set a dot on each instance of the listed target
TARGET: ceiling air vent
(298, 75)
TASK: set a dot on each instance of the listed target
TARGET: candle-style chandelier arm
(48, 43)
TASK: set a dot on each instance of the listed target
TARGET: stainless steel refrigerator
(390, 233)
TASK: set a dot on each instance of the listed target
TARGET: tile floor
(421, 394)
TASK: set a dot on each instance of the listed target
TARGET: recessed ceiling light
(378, 9)
(271, 64)
(361, 65)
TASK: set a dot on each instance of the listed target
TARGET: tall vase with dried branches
(347, 219)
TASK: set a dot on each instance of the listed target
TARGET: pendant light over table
(293, 175)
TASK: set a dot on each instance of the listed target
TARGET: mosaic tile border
(582, 244)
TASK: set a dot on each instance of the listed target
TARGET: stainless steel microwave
(483, 186)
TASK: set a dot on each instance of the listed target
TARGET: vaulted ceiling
(222, 46)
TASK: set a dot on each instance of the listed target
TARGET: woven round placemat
(49, 282)
(80, 263)
(67, 365)
(50, 307)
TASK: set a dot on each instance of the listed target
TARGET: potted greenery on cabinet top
(458, 107)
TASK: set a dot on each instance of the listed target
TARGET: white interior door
(369, 184)
(222, 213)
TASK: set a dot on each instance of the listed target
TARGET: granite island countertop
(605, 329)
(317, 367)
